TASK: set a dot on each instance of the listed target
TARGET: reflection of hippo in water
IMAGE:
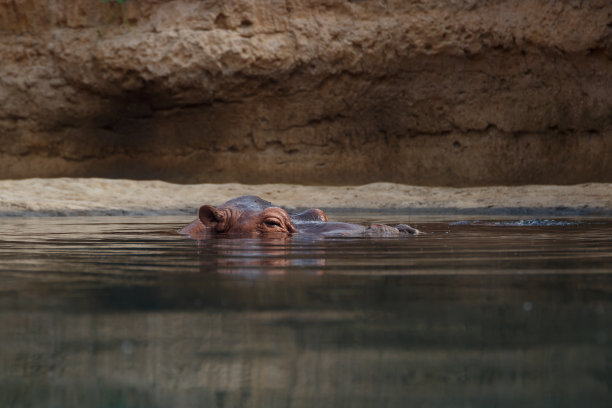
(252, 215)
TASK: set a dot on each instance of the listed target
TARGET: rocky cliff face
(311, 91)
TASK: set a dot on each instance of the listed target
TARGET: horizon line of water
(560, 211)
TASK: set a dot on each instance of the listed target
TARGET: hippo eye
(272, 223)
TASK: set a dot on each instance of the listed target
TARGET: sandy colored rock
(320, 91)
(65, 196)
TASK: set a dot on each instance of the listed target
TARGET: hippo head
(232, 220)
(254, 216)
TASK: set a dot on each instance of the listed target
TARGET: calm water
(121, 312)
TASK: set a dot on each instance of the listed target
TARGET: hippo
(251, 215)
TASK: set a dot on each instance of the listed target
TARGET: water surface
(123, 312)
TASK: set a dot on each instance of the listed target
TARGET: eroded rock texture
(310, 91)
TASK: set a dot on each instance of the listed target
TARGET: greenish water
(122, 312)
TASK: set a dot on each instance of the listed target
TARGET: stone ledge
(64, 196)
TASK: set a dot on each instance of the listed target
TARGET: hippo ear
(210, 216)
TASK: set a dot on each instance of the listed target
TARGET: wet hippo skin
(254, 216)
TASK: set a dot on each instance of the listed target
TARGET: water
(122, 312)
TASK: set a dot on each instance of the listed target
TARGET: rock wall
(308, 91)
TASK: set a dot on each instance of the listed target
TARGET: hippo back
(331, 229)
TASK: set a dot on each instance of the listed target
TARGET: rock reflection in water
(468, 315)
(307, 342)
